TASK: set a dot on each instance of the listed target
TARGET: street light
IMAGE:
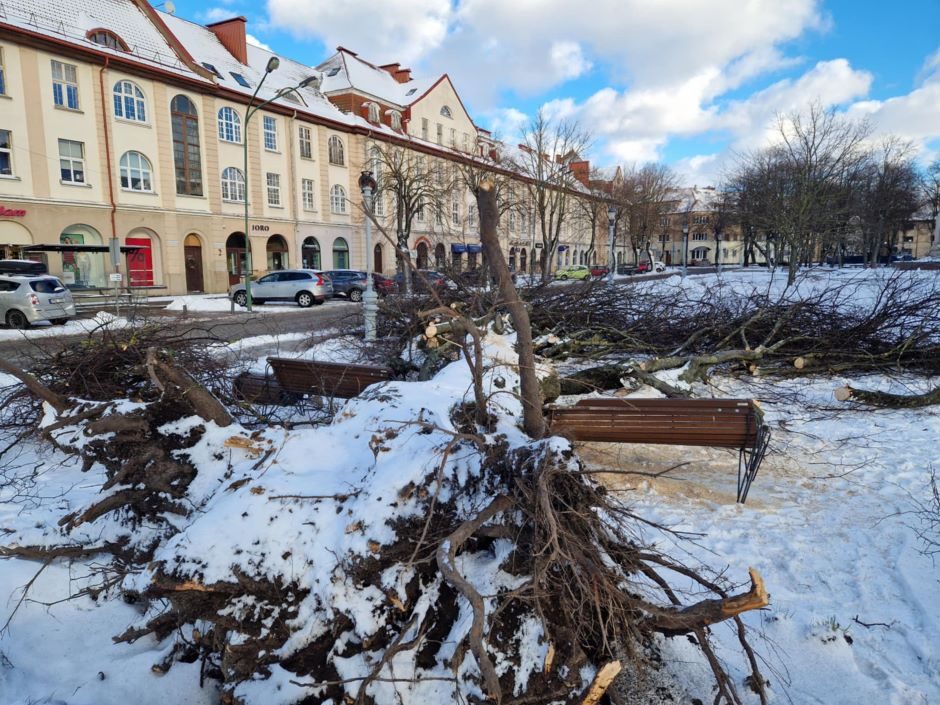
(368, 184)
(272, 65)
(611, 224)
(685, 250)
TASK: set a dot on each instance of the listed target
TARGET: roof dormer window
(445, 111)
(373, 112)
(395, 119)
(412, 91)
(240, 80)
(106, 38)
(333, 71)
(211, 69)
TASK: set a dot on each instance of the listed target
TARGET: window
(699, 236)
(376, 166)
(396, 120)
(274, 189)
(107, 39)
(212, 69)
(455, 212)
(186, 157)
(64, 85)
(335, 70)
(129, 102)
(472, 216)
(72, 161)
(3, 83)
(335, 148)
(270, 133)
(135, 172)
(445, 112)
(306, 144)
(240, 80)
(440, 133)
(233, 185)
(230, 125)
(466, 142)
(512, 220)
(338, 199)
(340, 254)
(6, 153)
(373, 112)
(453, 138)
(424, 128)
(306, 193)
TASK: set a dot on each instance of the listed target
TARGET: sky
(691, 83)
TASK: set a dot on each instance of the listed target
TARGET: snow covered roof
(70, 21)
(696, 198)
(207, 50)
(345, 71)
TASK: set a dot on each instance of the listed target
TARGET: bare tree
(417, 187)
(931, 188)
(642, 200)
(543, 161)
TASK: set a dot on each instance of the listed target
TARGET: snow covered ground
(76, 326)
(829, 523)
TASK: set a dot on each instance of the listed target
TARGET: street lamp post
(685, 250)
(368, 184)
(611, 224)
(272, 65)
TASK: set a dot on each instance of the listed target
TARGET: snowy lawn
(76, 326)
(216, 303)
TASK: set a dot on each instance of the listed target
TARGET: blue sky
(687, 82)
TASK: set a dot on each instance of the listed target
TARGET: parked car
(23, 267)
(305, 286)
(645, 267)
(434, 279)
(27, 300)
(352, 283)
(573, 271)
(600, 270)
(626, 269)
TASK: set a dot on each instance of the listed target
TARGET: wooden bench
(257, 388)
(330, 379)
(716, 423)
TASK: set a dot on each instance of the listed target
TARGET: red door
(140, 262)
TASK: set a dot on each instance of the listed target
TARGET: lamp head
(366, 181)
(273, 63)
(611, 214)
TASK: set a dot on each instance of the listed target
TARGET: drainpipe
(292, 175)
(114, 244)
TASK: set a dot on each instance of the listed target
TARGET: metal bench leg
(749, 461)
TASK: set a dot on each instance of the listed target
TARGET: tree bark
(888, 400)
(37, 388)
(533, 421)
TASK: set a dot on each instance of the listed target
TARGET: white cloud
(396, 30)
(568, 60)
(216, 14)
(252, 39)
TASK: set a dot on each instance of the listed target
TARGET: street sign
(116, 276)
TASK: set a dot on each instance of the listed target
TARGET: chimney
(232, 35)
(582, 171)
(391, 68)
(402, 75)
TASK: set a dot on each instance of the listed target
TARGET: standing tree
(415, 186)
(931, 186)
(543, 161)
(642, 200)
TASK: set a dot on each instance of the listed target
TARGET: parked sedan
(352, 283)
(305, 286)
(26, 300)
(573, 271)
(599, 270)
(434, 279)
(645, 267)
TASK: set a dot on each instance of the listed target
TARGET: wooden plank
(326, 378)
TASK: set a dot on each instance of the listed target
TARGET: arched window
(373, 112)
(185, 124)
(445, 111)
(395, 118)
(106, 39)
(230, 125)
(440, 256)
(522, 260)
(340, 254)
(310, 253)
(335, 146)
(338, 199)
(129, 102)
(233, 185)
(136, 172)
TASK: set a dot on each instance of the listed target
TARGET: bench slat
(326, 378)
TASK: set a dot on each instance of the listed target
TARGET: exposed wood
(601, 683)
(204, 404)
(707, 612)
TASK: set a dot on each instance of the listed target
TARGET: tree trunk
(533, 422)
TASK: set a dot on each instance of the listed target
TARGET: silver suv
(305, 286)
(26, 300)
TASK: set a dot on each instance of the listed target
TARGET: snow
(101, 321)
(828, 524)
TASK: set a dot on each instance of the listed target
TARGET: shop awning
(78, 248)
(458, 248)
(562, 248)
(474, 248)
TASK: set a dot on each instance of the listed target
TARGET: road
(225, 326)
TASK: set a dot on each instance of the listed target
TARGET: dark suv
(22, 267)
(352, 283)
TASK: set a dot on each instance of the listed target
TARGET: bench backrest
(722, 423)
(326, 378)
